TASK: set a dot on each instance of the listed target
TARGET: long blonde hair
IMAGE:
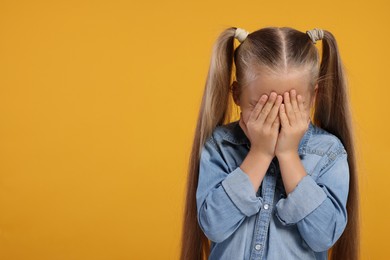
(275, 48)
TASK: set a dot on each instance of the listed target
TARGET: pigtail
(215, 110)
(332, 113)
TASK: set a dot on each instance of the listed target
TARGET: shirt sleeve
(318, 208)
(224, 199)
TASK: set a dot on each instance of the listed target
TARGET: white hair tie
(315, 34)
(240, 34)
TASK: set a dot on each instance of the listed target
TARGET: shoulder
(214, 142)
(226, 141)
(230, 132)
(325, 144)
(218, 152)
(321, 151)
(222, 132)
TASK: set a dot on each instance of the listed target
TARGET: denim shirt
(267, 224)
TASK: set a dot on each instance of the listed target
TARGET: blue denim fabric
(267, 224)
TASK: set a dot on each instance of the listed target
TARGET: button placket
(263, 217)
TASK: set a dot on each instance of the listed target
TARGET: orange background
(98, 104)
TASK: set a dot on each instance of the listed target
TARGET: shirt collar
(236, 135)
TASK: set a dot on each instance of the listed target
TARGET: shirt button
(258, 247)
(266, 206)
(272, 170)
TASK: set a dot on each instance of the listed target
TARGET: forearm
(292, 170)
(255, 165)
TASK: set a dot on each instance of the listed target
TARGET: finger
(274, 111)
(259, 105)
(300, 103)
(267, 108)
(283, 117)
(288, 108)
(276, 124)
(294, 104)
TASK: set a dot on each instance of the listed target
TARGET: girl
(273, 184)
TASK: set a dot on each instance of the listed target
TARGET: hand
(262, 127)
(294, 120)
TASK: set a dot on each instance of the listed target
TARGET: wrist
(261, 155)
(287, 155)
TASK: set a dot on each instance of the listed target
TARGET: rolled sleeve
(224, 198)
(319, 207)
(305, 198)
(240, 190)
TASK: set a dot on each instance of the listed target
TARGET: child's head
(275, 60)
